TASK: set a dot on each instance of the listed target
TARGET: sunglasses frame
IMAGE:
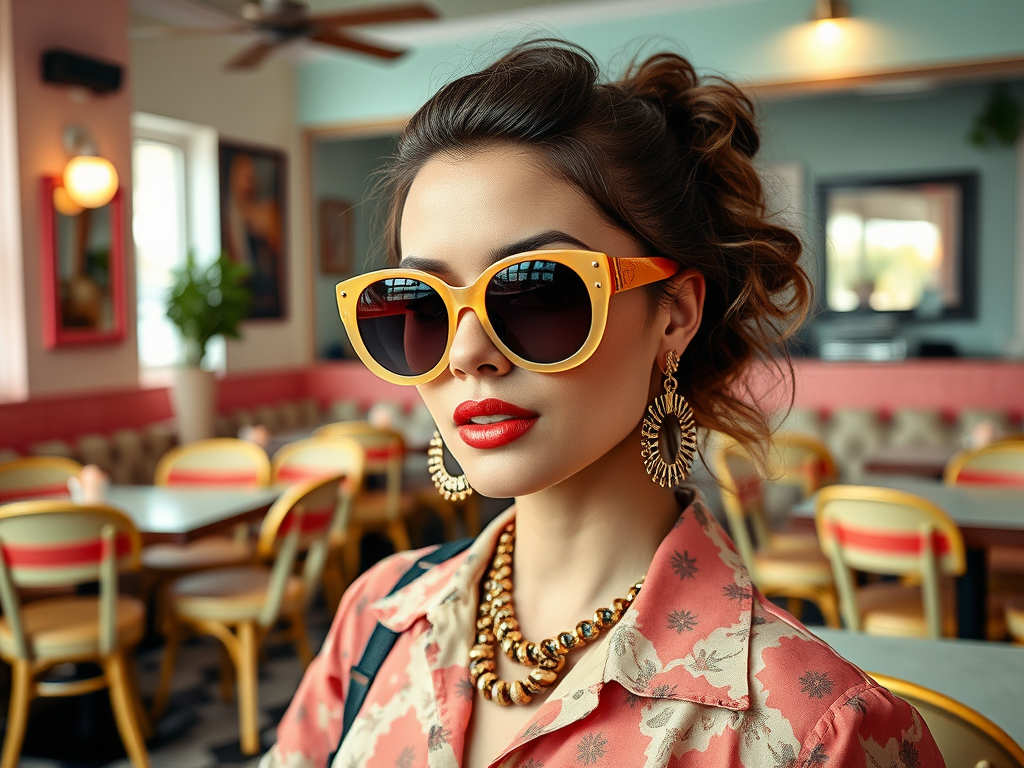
(603, 275)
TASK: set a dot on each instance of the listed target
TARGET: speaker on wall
(68, 68)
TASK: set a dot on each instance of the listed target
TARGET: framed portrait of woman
(252, 221)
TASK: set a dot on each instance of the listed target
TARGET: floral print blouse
(700, 671)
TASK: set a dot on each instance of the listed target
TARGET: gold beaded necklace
(496, 625)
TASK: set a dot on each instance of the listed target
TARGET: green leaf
(207, 301)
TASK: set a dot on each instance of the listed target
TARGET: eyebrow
(532, 243)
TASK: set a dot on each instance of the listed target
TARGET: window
(174, 203)
(160, 230)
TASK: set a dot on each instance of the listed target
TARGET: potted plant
(204, 301)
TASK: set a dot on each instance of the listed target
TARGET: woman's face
(459, 213)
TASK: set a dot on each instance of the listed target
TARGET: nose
(473, 353)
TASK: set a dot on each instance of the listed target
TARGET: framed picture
(900, 246)
(252, 220)
(336, 221)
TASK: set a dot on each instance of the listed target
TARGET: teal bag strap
(383, 640)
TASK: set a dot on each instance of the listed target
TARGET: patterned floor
(198, 730)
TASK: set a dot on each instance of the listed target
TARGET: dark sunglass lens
(404, 325)
(540, 309)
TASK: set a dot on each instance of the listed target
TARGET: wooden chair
(239, 606)
(36, 476)
(999, 464)
(58, 543)
(221, 462)
(318, 457)
(389, 509)
(884, 531)
(788, 565)
(964, 736)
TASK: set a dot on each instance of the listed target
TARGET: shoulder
(837, 713)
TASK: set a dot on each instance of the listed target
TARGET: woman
(539, 384)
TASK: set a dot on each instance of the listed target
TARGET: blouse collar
(685, 637)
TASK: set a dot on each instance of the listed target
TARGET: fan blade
(342, 40)
(382, 15)
(251, 56)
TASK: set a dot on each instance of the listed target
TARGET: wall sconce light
(90, 181)
(825, 14)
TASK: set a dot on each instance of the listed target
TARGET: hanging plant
(999, 123)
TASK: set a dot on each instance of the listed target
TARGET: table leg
(972, 597)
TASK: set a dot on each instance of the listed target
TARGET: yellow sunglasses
(545, 310)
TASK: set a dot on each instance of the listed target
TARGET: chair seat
(210, 552)
(806, 568)
(230, 594)
(68, 627)
(897, 610)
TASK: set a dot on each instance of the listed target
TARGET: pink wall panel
(353, 381)
(948, 385)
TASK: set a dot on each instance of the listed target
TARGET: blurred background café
(194, 464)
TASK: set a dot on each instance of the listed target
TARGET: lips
(492, 435)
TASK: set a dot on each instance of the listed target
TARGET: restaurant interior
(163, 582)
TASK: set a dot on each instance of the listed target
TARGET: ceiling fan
(279, 22)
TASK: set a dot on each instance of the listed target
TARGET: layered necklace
(496, 627)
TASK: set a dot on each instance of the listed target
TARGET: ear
(683, 313)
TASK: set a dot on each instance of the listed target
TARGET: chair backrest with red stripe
(299, 521)
(1000, 464)
(801, 460)
(221, 461)
(57, 543)
(318, 457)
(36, 477)
(384, 452)
(885, 531)
(880, 530)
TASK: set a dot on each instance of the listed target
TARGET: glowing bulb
(64, 204)
(90, 181)
(829, 31)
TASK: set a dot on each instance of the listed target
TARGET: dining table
(179, 515)
(985, 676)
(985, 515)
(928, 461)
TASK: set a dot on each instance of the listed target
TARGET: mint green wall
(762, 40)
(853, 135)
(342, 170)
(839, 135)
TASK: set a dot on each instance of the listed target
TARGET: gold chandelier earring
(452, 487)
(668, 439)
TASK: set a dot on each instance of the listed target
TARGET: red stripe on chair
(886, 541)
(79, 553)
(211, 477)
(989, 477)
(34, 492)
(314, 521)
(383, 454)
(292, 472)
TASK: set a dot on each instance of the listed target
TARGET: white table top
(982, 675)
(973, 506)
(180, 512)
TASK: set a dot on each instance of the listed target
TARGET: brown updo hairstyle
(666, 157)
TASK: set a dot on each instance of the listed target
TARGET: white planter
(195, 404)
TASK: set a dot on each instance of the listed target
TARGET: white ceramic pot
(195, 404)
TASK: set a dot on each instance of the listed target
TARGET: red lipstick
(495, 434)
